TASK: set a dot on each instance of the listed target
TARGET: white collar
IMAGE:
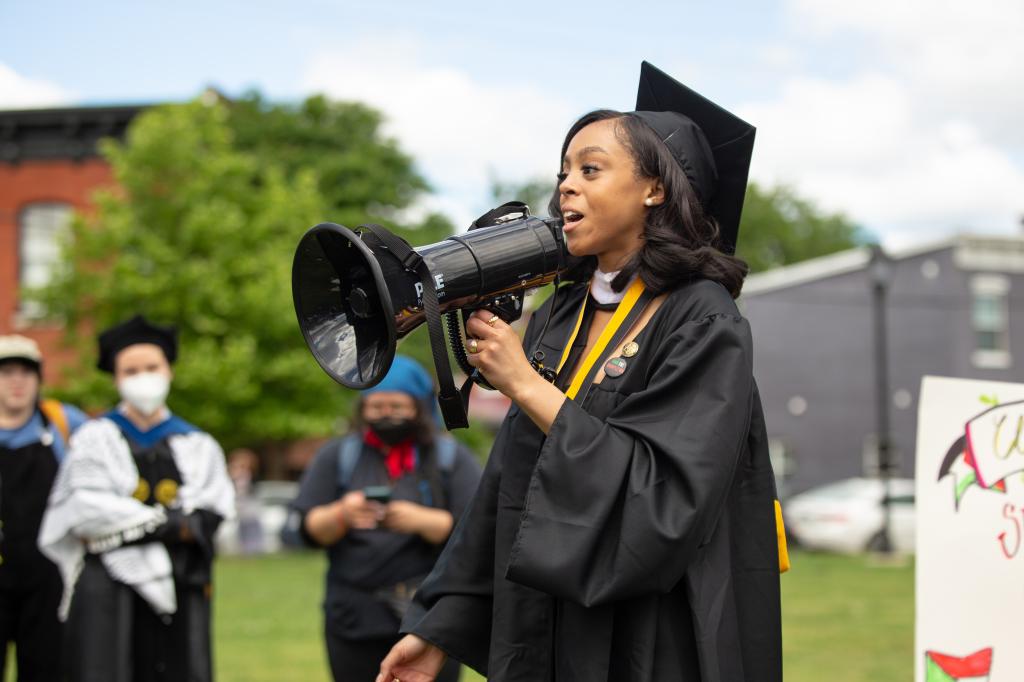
(601, 287)
(165, 413)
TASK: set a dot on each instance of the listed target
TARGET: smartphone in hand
(378, 493)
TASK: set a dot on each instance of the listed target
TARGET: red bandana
(400, 459)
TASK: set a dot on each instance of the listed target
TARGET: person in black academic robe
(625, 528)
(33, 435)
(130, 523)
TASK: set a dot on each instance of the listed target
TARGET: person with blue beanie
(382, 502)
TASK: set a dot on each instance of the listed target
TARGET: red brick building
(49, 169)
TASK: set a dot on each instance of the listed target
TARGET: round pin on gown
(615, 367)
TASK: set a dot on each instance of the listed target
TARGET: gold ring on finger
(494, 318)
(472, 347)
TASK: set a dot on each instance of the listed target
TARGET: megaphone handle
(455, 340)
(459, 351)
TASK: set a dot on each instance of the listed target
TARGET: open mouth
(572, 216)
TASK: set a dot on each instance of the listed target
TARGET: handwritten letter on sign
(970, 531)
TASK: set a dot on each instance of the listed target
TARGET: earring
(648, 202)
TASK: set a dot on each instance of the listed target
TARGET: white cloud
(459, 130)
(922, 138)
(964, 59)
(830, 125)
(859, 147)
(778, 56)
(918, 137)
(21, 92)
(460, 212)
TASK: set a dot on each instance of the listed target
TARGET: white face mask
(146, 392)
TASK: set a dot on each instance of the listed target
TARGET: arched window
(42, 229)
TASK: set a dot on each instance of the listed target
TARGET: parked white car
(847, 516)
(271, 499)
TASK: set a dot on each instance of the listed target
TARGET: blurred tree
(779, 228)
(200, 233)
(362, 175)
(534, 193)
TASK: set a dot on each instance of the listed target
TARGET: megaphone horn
(357, 292)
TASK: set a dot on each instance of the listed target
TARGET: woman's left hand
(403, 516)
(432, 524)
(497, 351)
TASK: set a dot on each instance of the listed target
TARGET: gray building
(952, 308)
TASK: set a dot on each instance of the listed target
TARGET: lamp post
(880, 276)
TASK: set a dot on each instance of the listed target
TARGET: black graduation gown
(30, 584)
(637, 541)
(115, 635)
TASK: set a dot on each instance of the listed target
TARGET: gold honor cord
(633, 295)
(780, 531)
(621, 312)
(572, 337)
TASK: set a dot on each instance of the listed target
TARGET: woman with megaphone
(626, 527)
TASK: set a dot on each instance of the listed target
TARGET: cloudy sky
(904, 115)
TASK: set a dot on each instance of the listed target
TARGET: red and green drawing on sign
(991, 449)
(945, 668)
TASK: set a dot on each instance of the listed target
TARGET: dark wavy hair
(680, 241)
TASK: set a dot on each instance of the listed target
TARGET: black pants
(28, 617)
(359, 660)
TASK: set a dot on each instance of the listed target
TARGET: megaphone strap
(629, 309)
(453, 409)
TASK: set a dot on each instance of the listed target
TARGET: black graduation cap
(712, 145)
(136, 330)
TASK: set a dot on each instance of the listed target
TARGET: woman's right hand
(413, 659)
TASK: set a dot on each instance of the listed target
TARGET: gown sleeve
(452, 608)
(462, 481)
(618, 506)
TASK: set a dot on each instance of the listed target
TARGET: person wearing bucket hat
(33, 440)
(131, 521)
(382, 501)
(625, 528)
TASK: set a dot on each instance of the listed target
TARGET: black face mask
(393, 431)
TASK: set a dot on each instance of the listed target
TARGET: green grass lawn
(845, 620)
(267, 619)
(267, 622)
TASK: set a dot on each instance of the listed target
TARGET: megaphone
(357, 292)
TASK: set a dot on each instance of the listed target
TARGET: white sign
(970, 531)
